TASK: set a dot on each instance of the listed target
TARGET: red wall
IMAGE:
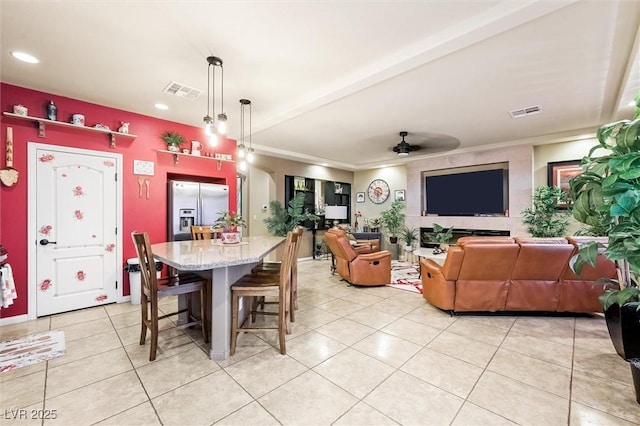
(138, 213)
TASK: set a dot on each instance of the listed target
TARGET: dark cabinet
(335, 194)
(294, 185)
(338, 194)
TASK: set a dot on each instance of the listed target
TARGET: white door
(76, 219)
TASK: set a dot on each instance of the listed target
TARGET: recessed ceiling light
(25, 57)
(161, 106)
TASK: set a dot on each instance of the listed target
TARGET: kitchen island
(223, 264)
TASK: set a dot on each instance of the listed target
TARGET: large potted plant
(607, 195)
(442, 236)
(393, 219)
(283, 220)
(230, 221)
(409, 235)
(544, 219)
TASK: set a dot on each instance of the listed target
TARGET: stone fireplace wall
(520, 159)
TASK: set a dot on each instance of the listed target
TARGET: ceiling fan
(403, 148)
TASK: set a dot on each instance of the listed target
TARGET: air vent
(518, 113)
(182, 91)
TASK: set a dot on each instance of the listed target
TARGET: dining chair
(154, 288)
(253, 286)
(203, 233)
(273, 268)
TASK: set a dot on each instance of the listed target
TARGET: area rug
(405, 276)
(31, 350)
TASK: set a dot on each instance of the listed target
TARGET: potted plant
(173, 141)
(607, 195)
(393, 219)
(409, 235)
(544, 219)
(375, 224)
(284, 220)
(230, 221)
(442, 236)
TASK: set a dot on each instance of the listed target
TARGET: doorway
(74, 228)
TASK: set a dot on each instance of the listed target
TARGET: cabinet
(338, 194)
(294, 185)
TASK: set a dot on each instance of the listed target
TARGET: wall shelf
(42, 122)
(176, 157)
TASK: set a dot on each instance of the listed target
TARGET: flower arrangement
(230, 220)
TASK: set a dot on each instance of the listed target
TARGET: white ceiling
(334, 81)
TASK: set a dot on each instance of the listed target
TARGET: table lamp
(336, 213)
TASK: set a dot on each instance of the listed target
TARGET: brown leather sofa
(513, 274)
(361, 267)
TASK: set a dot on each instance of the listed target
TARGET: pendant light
(213, 128)
(245, 153)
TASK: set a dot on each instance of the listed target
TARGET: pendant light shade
(245, 153)
(214, 125)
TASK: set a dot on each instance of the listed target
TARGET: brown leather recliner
(467, 281)
(580, 293)
(355, 267)
(521, 274)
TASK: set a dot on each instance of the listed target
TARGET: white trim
(13, 320)
(32, 162)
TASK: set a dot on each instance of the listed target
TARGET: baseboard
(14, 320)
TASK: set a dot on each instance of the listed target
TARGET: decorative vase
(52, 111)
(623, 324)
(635, 374)
(231, 237)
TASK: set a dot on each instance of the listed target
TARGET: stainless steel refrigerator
(194, 203)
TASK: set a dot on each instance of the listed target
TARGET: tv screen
(466, 194)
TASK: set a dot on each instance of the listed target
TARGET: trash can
(135, 287)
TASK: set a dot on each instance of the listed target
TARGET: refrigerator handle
(200, 206)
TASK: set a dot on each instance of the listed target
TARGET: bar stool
(153, 289)
(254, 286)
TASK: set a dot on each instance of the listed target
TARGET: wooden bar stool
(153, 289)
(253, 286)
(273, 268)
(203, 233)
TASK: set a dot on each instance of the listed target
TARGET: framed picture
(399, 194)
(560, 172)
(359, 197)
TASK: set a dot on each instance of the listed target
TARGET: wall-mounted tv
(473, 193)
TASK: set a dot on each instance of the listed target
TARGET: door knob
(44, 242)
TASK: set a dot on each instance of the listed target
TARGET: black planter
(635, 373)
(624, 329)
(393, 240)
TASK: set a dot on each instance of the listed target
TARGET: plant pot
(173, 148)
(408, 249)
(624, 329)
(231, 237)
(393, 240)
(635, 373)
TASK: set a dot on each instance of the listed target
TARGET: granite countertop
(202, 255)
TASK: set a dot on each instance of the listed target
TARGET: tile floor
(357, 356)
